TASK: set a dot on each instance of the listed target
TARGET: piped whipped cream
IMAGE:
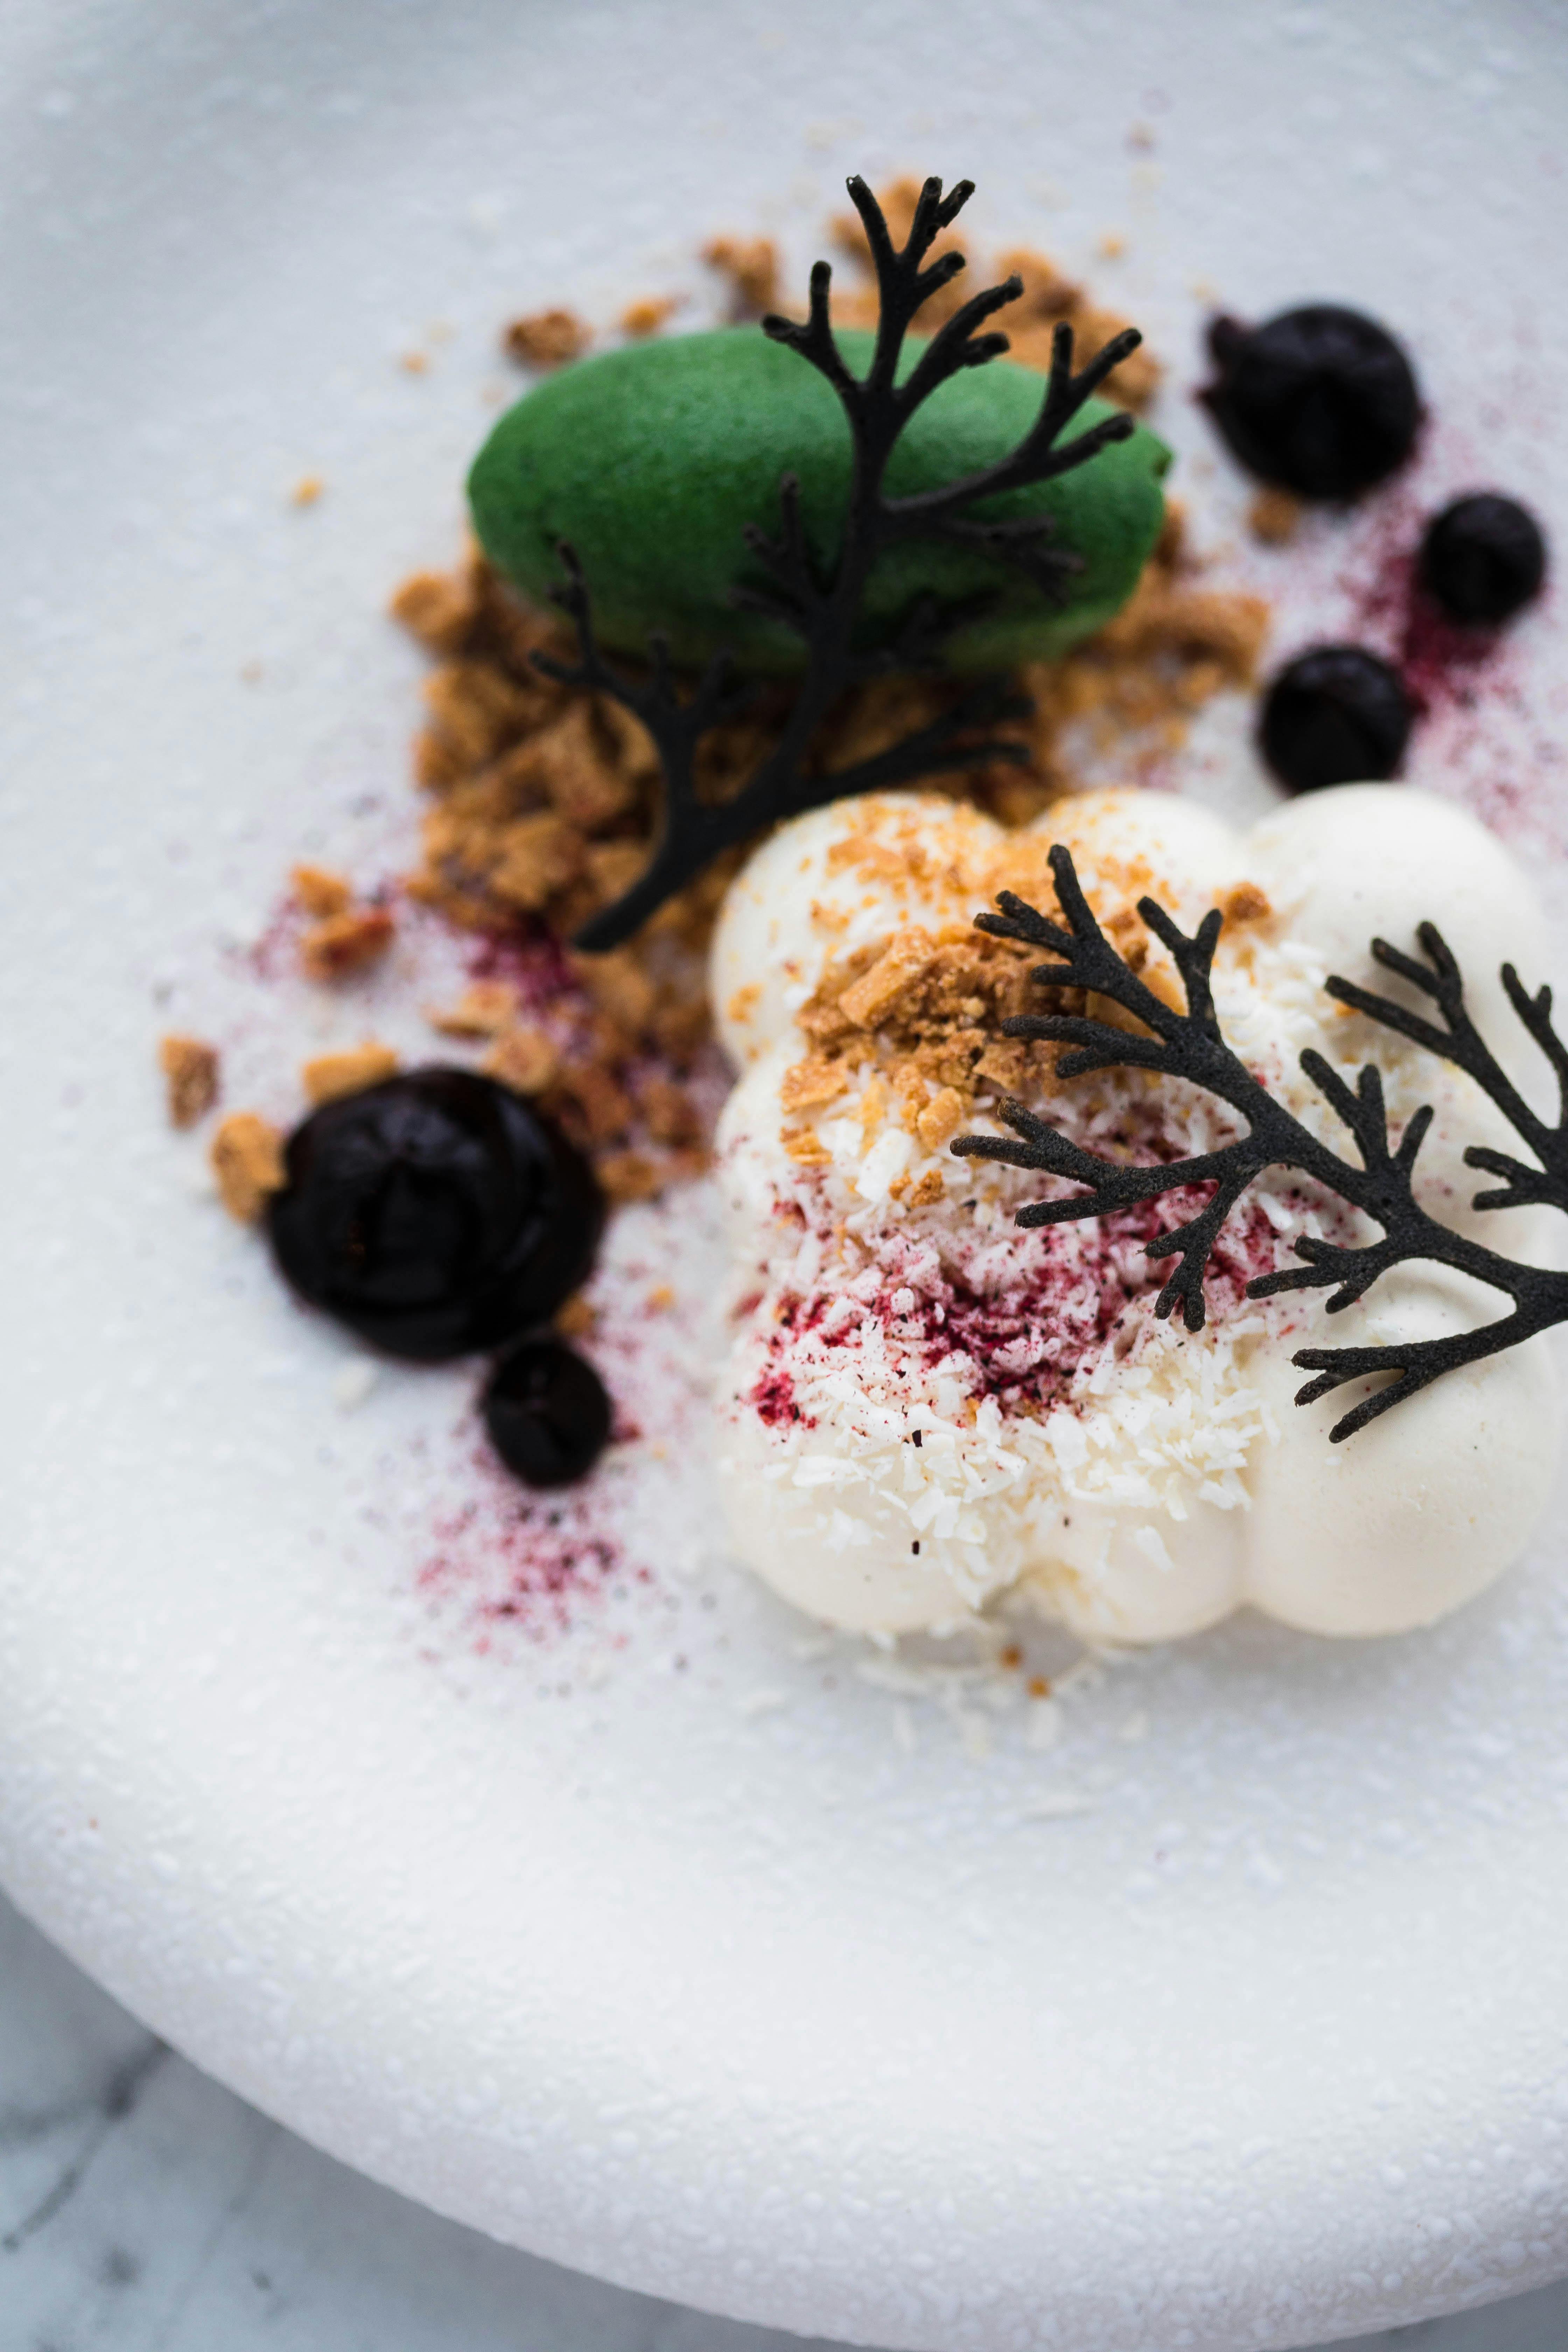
(928, 1407)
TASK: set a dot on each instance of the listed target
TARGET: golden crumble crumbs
(246, 1157)
(629, 1176)
(523, 1058)
(319, 891)
(905, 961)
(439, 608)
(547, 339)
(190, 1068)
(1246, 904)
(640, 319)
(346, 942)
(1275, 516)
(936, 1031)
(812, 1084)
(483, 1010)
(751, 267)
(941, 1119)
(574, 1318)
(347, 1071)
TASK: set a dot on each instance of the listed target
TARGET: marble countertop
(144, 2210)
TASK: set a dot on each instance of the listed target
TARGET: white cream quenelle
(926, 1407)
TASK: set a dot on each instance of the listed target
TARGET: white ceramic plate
(645, 1943)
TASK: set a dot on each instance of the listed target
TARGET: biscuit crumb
(668, 1113)
(575, 1318)
(307, 490)
(190, 1068)
(540, 856)
(248, 1161)
(1275, 516)
(640, 319)
(347, 1072)
(483, 1010)
(439, 608)
(939, 1121)
(661, 1298)
(927, 1188)
(750, 264)
(320, 891)
(810, 1084)
(805, 1148)
(345, 943)
(1246, 904)
(905, 959)
(523, 1059)
(546, 339)
(629, 1176)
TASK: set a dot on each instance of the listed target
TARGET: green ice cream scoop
(651, 461)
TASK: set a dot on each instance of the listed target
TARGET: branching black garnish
(1189, 1045)
(824, 614)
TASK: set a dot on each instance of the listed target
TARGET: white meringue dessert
(927, 1408)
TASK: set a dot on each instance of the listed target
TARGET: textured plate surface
(652, 1942)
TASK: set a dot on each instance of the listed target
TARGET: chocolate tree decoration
(1189, 1045)
(824, 613)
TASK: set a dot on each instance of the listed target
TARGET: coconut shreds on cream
(929, 1406)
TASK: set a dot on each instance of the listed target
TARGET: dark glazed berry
(1319, 399)
(547, 1414)
(1483, 558)
(435, 1214)
(1336, 715)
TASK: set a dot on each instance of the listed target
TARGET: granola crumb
(347, 1071)
(576, 1317)
(546, 339)
(190, 1068)
(806, 1148)
(320, 891)
(751, 265)
(438, 608)
(346, 942)
(640, 319)
(812, 1084)
(905, 961)
(941, 1119)
(927, 1188)
(1275, 516)
(1247, 904)
(629, 1176)
(483, 1010)
(248, 1161)
(524, 1059)
(307, 490)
